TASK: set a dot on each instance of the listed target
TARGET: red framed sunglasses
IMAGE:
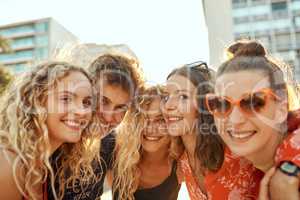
(249, 103)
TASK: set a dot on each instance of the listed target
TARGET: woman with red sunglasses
(250, 108)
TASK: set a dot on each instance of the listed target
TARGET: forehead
(115, 93)
(154, 108)
(74, 82)
(178, 82)
(236, 84)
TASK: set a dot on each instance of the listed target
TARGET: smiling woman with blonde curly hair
(50, 109)
(145, 165)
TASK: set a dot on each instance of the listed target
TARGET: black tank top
(167, 190)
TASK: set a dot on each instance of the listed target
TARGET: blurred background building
(276, 23)
(32, 41)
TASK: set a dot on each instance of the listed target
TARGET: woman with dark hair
(187, 117)
(250, 106)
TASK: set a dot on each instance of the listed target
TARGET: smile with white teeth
(174, 119)
(152, 138)
(241, 134)
(72, 124)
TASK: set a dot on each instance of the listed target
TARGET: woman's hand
(283, 186)
(264, 185)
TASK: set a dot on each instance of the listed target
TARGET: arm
(8, 189)
(283, 186)
(264, 185)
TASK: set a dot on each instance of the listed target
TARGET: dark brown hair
(209, 146)
(118, 70)
(250, 55)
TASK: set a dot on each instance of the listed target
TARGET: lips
(241, 136)
(152, 138)
(173, 119)
(75, 125)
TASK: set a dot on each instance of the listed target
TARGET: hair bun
(246, 48)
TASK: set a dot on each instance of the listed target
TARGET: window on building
(25, 29)
(263, 17)
(279, 6)
(41, 27)
(283, 41)
(41, 40)
(240, 20)
(239, 3)
(258, 1)
(41, 53)
(22, 42)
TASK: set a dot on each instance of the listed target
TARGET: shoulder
(289, 150)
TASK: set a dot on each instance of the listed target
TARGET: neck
(157, 157)
(189, 142)
(54, 145)
(264, 159)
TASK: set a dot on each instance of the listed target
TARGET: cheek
(191, 117)
(119, 117)
(221, 126)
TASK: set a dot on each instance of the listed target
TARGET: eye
(104, 101)
(121, 108)
(65, 99)
(165, 97)
(87, 102)
(183, 96)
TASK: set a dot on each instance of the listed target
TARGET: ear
(281, 111)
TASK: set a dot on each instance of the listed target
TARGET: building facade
(32, 41)
(276, 23)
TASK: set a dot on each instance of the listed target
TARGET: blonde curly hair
(23, 117)
(128, 145)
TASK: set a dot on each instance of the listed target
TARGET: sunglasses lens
(253, 103)
(218, 106)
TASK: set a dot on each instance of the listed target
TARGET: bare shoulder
(8, 189)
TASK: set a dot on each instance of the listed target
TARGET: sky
(164, 34)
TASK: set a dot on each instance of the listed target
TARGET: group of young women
(232, 134)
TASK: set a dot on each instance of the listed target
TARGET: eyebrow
(106, 98)
(178, 91)
(73, 94)
(121, 106)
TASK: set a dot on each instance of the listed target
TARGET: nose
(236, 116)
(170, 104)
(108, 116)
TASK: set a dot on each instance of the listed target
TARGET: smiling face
(155, 137)
(248, 135)
(69, 108)
(113, 104)
(180, 107)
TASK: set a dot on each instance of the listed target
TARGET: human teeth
(72, 123)
(241, 135)
(174, 118)
(152, 138)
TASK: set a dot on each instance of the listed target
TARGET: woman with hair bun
(250, 107)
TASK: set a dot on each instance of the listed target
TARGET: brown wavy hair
(23, 117)
(119, 70)
(209, 145)
(128, 143)
(250, 55)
